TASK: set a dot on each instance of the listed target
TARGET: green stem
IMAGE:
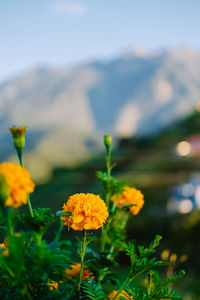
(45, 228)
(10, 224)
(124, 220)
(107, 227)
(20, 156)
(30, 206)
(108, 195)
(82, 255)
(115, 202)
(149, 285)
(124, 284)
(108, 167)
(59, 231)
(9, 271)
(122, 227)
(104, 234)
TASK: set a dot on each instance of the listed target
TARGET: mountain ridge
(133, 94)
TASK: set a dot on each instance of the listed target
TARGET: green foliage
(155, 289)
(92, 291)
(141, 261)
(112, 183)
(42, 219)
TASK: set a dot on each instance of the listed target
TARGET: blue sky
(65, 32)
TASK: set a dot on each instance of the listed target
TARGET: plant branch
(82, 255)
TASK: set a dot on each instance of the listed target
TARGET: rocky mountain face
(67, 109)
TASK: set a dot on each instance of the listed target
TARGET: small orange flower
(75, 271)
(5, 251)
(130, 196)
(52, 285)
(89, 212)
(19, 184)
(122, 294)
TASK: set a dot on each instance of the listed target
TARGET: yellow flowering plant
(35, 265)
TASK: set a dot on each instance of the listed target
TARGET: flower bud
(107, 140)
(165, 254)
(173, 258)
(4, 190)
(18, 134)
(183, 258)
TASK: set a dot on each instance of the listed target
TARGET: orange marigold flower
(52, 285)
(130, 196)
(122, 294)
(19, 184)
(89, 212)
(75, 271)
(5, 252)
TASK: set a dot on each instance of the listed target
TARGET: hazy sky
(63, 32)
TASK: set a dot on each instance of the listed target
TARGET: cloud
(69, 8)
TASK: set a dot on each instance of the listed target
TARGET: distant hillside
(67, 109)
(149, 163)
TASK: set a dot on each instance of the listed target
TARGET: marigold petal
(78, 219)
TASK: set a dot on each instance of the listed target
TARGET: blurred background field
(74, 70)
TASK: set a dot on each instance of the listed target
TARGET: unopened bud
(183, 258)
(4, 191)
(107, 140)
(173, 258)
(18, 134)
(165, 254)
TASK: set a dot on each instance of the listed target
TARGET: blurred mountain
(67, 109)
